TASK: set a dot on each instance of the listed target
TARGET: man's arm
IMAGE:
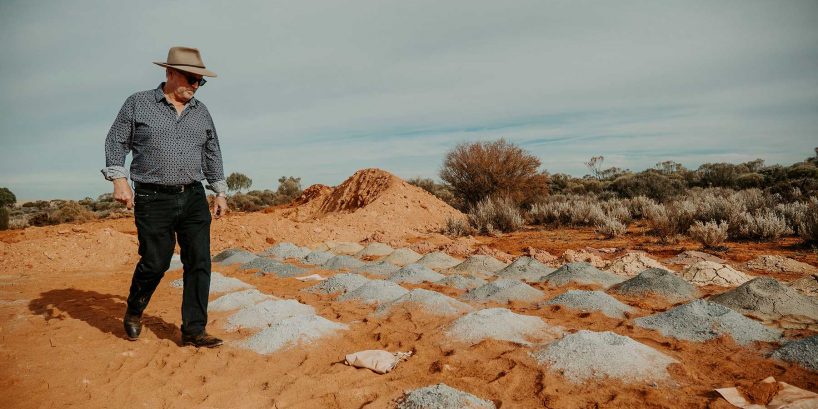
(117, 146)
(213, 170)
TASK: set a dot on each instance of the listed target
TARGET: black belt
(166, 188)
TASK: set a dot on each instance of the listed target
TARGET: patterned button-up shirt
(168, 148)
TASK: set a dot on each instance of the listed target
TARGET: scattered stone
(234, 256)
(381, 268)
(702, 320)
(587, 301)
(708, 272)
(803, 352)
(282, 251)
(462, 281)
(542, 256)
(317, 257)
(586, 355)
(415, 274)
(267, 266)
(584, 256)
(503, 291)
(339, 283)
(501, 324)
(375, 292)
(438, 260)
(525, 268)
(290, 331)
(267, 313)
(767, 299)
(343, 262)
(375, 249)
(402, 257)
(441, 396)
(238, 299)
(347, 248)
(780, 264)
(660, 282)
(689, 257)
(807, 285)
(633, 263)
(498, 254)
(219, 283)
(581, 273)
(479, 265)
(432, 302)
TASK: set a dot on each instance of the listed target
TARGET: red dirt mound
(361, 189)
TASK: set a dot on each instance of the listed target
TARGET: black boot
(202, 339)
(133, 325)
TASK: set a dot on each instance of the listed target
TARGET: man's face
(180, 87)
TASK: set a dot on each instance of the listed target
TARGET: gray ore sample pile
(438, 260)
(402, 257)
(431, 302)
(442, 396)
(339, 283)
(343, 262)
(525, 268)
(587, 354)
(767, 299)
(479, 265)
(415, 274)
(267, 313)
(375, 292)
(587, 301)
(282, 251)
(266, 266)
(290, 331)
(381, 268)
(501, 324)
(233, 256)
(462, 281)
(803, 352)
(581, 273)
(660, 282)
(238, 299)
(375, 249)
(702, 320)
(504, 291)
(219, 283)
(317, 257)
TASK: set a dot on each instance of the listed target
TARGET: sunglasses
(191, 79)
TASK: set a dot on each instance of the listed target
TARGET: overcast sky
(321, 89)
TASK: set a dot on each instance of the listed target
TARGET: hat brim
(186, 68)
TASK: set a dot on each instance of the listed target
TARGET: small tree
(238, 181)
(7, 198)
(289, 188)
(595, 166)
(478, 170)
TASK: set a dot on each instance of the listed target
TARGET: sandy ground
(63, 290)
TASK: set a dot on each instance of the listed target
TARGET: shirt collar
(160, 95)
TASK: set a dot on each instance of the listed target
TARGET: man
(174, 145)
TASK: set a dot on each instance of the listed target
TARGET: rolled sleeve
(118, 142)
(212, 166)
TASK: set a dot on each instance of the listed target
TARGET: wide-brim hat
(186, 59)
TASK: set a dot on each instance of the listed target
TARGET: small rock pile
(660, 282)
(767, 299)
(581, 273)
(633, 263)
(707, 272)
(587, 301)
(415, 274)
(501, 324)
(525, 268)
(503, 291)
(442, 396)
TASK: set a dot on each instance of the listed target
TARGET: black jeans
(160, 218)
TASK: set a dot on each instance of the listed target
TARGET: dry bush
(660, 222)
(457, 227)
(69, 212)
(611, 227)
(795, 213)
(637, 205)
(4, 218)
(438, 190)
(478, 170)
(617, 209)
(710, 234)
(491, 215)
(763, 225)
(244, 202)
(808, 227)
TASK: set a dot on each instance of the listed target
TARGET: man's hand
(219, 207)
(123, 193)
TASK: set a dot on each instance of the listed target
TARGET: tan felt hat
(186, 59)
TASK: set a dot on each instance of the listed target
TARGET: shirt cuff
(219, 186)
(114, 172)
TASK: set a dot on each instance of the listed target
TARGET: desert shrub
(610, 227)
(4, 218)
(616, 209)
(457, 227)
(289, 188)
(439, 190)
(7, 198)
(475, 171)
(808, 227)
(70, 212)
(710, 234)
(238, 181)
(763, 225)
(550, 213)
(244, 202)
(491, 215)
(794, 213)
(660, 222)
(637, 205)
(749, 180)
(650, 183)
